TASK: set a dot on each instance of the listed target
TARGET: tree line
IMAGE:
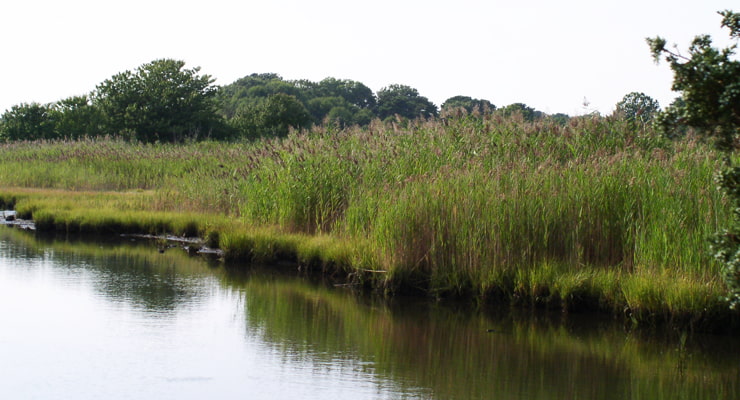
(164, 101)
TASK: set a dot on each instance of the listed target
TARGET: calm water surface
(89, 320)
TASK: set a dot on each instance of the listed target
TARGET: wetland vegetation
(598, 213)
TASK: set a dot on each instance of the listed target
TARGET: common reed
(563, 215)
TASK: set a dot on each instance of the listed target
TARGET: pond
(115, 319)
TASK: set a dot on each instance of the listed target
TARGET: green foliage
(76, 117)
(355, 93)
(559, 118)
(526, 112)
(320, 107)
(273, 116)
(246, 103)
(709, 82)
(341, 115)
(467, 103)
(32, 121)
(160, 101)
(638, 107)
(404, 101)
(243, 93)
(670, 121)
(280, 112)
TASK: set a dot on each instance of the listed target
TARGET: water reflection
(452, 353)
(122, 270)
(177, 327)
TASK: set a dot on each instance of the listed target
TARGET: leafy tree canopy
(281, 112)
(353, 92)
(467, 103)
(638, 107)
(708, 79)
(404, 101)
(161, 100)
(27, 122)
(528, 113)
(272, 117)
(560, 118)
(75, 117)
(350, 101)
(709, 82)
(320, 107)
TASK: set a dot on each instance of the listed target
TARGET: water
(117, 320)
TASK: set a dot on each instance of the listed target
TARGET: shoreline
(719, 320)
(191, 245)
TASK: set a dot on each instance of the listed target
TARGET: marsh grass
(587, 213)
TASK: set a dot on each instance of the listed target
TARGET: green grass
(593, 213)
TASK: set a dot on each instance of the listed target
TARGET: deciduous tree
(528, 113)
(638, 107)
(354, 92)
(404, 101)
(708, 79)
(75, 117)
(280, 113)
(161, 100)
(467, 103)
(27, 121)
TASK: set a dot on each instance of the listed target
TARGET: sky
(570, 56)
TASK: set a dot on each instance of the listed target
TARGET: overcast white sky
(547, 54)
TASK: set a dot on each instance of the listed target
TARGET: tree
(528, 113)
(468, 103)
(709, 82)
(319, 107)
(340, 115)
(252, 90)
(27, 122)
(71, 118)
(638, 107)
(363, 117)
(75, 117)
(354, 92)
(161, 100)
(559, 118)
(273, 116)
(404, 101)
(670, 122)
(279, 113)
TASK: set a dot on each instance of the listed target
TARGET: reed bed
(594, 213)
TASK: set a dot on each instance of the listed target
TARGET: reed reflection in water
(92, 319)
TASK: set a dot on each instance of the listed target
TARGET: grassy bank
(593, 214)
